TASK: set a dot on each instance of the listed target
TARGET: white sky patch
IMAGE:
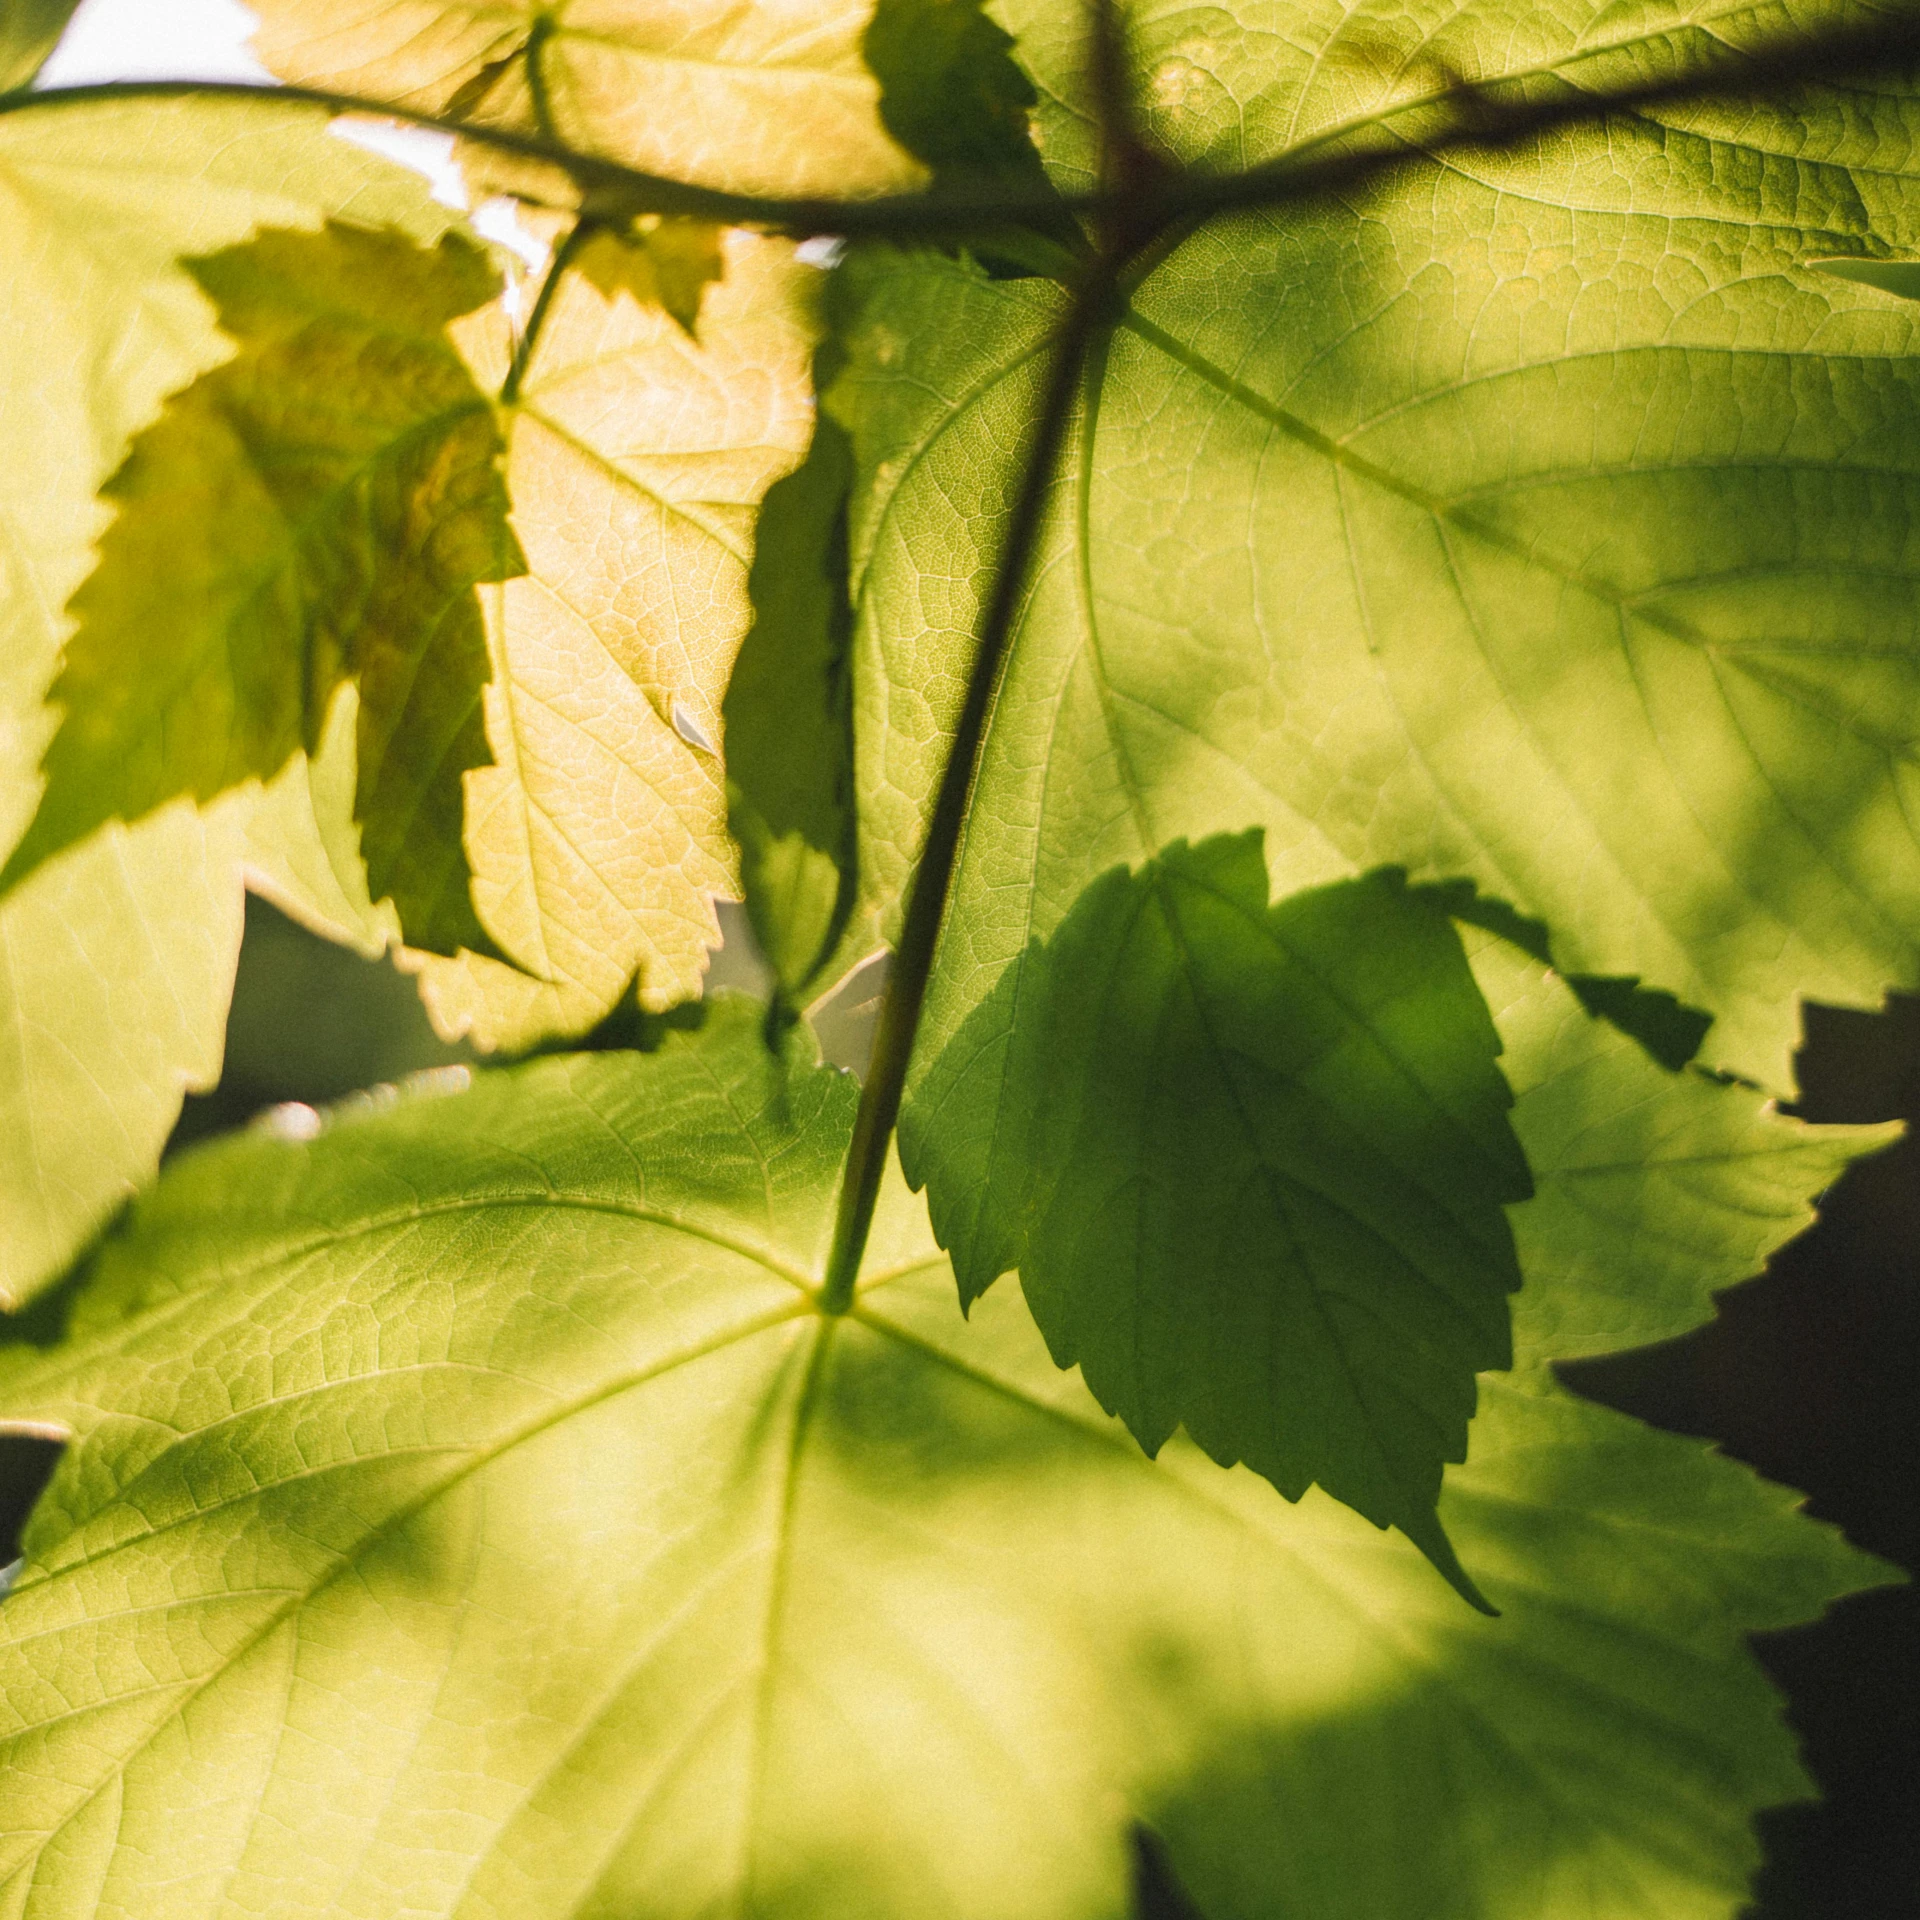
(154, 40)
(420, 148)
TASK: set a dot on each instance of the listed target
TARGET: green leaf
(29, 31)
(667, 263)
(953, 95)
(637, 459)
(471, 1500)
(1538, 517)
(789, 721)
(320, 508)
(1670, 1032)
(770, 99)
(119, 957)
(1250, 1163)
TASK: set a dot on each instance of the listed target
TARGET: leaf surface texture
(321, 507)
(1251, 1164)
(767, 96)
(118, 958)
(472, 1500)
(1543, 518)
(637, 459)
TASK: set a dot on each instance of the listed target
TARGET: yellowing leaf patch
(770, 96)
(637, 459)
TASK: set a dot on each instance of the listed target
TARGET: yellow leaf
(637, 460)
(769, 96)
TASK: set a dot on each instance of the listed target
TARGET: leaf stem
(578, 235)
(538, 94)
(900, 1012)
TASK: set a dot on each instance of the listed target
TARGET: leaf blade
(812, 1569)
(320, 507)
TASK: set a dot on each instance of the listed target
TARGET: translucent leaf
(770, 96)
(319, 508)
(472, 1500)
(669, 263)
(1251, 1165)
(29, 31)
(1542, 518)
(637, 458)
(120, 956)
(953, 95)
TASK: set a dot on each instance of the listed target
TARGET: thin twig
(563, 256)
(1459, 116)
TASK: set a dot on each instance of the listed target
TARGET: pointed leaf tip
(1251, 1163)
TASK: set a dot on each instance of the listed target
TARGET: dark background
(1811, 1373)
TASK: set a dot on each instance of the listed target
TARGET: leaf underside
(320, 508)
(1540, 517)
(1251, 1165)
(116, 960)
(473, 1501)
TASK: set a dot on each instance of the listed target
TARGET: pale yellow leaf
(637, 460)
(763, 96)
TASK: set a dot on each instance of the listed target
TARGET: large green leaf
(471, 1501)
(319, 508)
(1541, 517)
(1250, 1163)
(119, 956)
(767, 96)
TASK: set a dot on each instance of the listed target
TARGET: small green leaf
(472, 1500)
(116, 961)
(29, 31)
(953, 95)
(320, 508)
(1250, 1162)
(789, 720)
(666, 263)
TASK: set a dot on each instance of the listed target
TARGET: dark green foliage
(1250, 1163)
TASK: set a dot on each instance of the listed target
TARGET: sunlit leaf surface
(764, 96)
(119, 958)
(637, 456)
(473, 1502)
(1543, 518)
(319, 508)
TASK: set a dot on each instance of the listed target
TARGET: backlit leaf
(765, 96)
(1251, 1165)
(669, 263)
(472, 1500)
(319, 508)
(119, 957)
(789, 721)
(637, 458)
(1541, 518)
